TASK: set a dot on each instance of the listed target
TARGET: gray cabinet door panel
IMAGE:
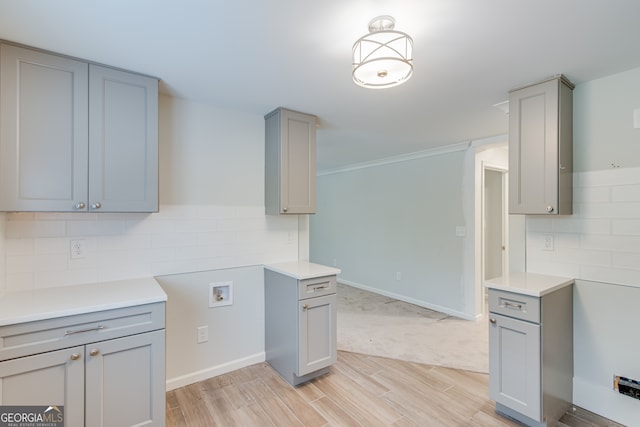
(44, 130)
(125, 381)
(123, 148)
(514, 365)
(52, 378)
(317, 334)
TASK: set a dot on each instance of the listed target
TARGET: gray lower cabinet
(300, 325)
(531, 355)
(75, 136)
(112, 382)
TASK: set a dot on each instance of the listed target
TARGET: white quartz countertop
(302, 269)
(533, 284)
(48, 303)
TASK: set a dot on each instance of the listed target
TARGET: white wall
(396, 217)
(211, 219)
(600, 243)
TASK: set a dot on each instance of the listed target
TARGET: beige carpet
(380, 326)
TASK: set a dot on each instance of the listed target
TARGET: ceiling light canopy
(383, 58)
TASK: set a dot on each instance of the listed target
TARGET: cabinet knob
(492, 321)
(284, 209)
(94, 352)
(306, 306)
(75, 356)
(96, 205)
(80, 205)
(549, 209)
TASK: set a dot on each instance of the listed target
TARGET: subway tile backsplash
(601, 240)
(177, 239)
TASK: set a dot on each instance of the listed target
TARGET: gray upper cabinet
(290, 162)
(541, 148)
(75, 136)
(123, 141)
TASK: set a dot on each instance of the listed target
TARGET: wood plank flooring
(361, 390)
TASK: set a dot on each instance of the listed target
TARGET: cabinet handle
(549, 209)
(80, 331)
(305, 307)
(96, 205)
(80, 205)
(284, 209)
(75, 356)
(94, 352)
(319, 288)
(512, 305)
(492, 321)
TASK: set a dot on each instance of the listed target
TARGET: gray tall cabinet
(75, 136)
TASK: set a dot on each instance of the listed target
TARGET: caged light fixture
(383, 58)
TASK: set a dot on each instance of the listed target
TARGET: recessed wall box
(220, 294)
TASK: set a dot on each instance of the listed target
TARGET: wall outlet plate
(220, 294)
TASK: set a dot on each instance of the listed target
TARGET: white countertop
(532, 284)
(302, 269)
(39, 304)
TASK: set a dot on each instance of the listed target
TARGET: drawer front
(62, 332)
(518, 306)
(316, 287)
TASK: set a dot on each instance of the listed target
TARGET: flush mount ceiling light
(383, 58)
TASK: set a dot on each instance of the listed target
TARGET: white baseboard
(409, 300)
(214, 371)
(607, 402)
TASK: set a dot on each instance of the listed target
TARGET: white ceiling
(256, 55)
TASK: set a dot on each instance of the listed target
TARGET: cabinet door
(53, 378)
(125, 381)
(533, 148)
(514, 365)
(290, 163)
(44, 132)
(317, 334)
(123, 142)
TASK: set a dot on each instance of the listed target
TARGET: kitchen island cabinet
(75, 136)
(98, 354)
(531, 347)
(300, 319)
(541, 148)
(290, 162)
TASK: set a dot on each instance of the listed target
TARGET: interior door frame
(485, 166)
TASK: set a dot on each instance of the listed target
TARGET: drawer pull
(80, 331)
(319, 288)
(492, 321)
(305, 307)
(75, 356)
(513, 305)
(94, 352)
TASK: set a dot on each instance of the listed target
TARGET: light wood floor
(361, 390)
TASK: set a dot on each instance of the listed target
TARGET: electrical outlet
(203, 334)
(548, 242)
(77, 249)
(398, 275)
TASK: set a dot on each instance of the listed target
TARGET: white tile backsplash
(601, 240)
(177, 239)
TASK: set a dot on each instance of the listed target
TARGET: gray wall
(376, 222)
